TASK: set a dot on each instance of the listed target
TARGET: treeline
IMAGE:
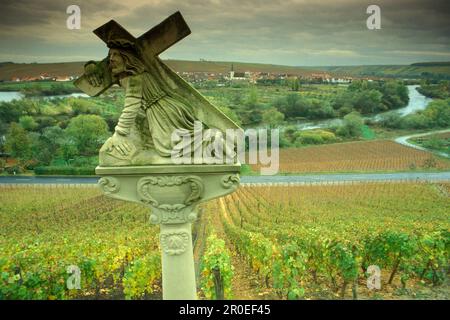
(363, 97)
(351, 128)
(439, 90)
(59, 133)
(37, 90)
(431, 64)
(370, 97)
(436, 115)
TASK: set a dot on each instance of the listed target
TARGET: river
(16, 95)
(417, 102)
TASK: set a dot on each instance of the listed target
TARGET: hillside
(432, 70)
(8, 70)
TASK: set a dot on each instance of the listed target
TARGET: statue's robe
(164, 114)
(169, 105)
(180, 90)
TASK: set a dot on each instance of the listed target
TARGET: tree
(48, 144)
(272, 117)
(237, 99)
(87, 132)
(252, 99)
(82, 106)
(289, 133)
(368, 101)
(252, 109)
(395, 94)
(392, 120)
(3, 127)
(352, 127)
(295, 84)
(54, 137)
(295, 106)
(28, 123)
(319, 109)
(438, 113)
(230, 114)
(17, 142)
(10, 111)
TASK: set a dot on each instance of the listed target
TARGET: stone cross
(149, 45)
(171, 191)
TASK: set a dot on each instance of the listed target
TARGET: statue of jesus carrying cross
(157, 101)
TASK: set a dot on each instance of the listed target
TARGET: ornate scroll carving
(194, 182)
(230, 180)
(171, 205)
(109, 185)
(174, 243)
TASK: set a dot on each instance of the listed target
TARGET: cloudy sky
(289, 32)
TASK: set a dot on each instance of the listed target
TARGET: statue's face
(116, 62)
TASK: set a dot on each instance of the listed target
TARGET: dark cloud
(295, 32)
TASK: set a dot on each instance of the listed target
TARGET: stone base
(171, 191)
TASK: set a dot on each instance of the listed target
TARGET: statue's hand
(93, 75)
(122, 145)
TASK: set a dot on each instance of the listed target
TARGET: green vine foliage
(52, 228)
(216, 259)
(298, 252)
(140, 276)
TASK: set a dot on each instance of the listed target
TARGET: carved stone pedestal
(172, 193)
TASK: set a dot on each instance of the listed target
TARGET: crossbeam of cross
(150, 44)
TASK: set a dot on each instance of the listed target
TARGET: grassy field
(377, 155)
(316, 242)
(438, 142)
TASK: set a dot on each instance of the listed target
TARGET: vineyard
(293, 242)
(381, 155)
(317, 242)
(44, 230)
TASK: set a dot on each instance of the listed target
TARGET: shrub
(314, 137)
(64, 170)
(217, 270)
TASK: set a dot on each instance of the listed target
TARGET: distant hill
(432, 64)
(430, 70)
(8, 70)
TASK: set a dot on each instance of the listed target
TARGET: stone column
(173, 199)
(172, 193)
(178, 275)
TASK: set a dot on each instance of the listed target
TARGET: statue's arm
(98, 75)
(133, 102)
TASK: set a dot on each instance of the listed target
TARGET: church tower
(232, 72)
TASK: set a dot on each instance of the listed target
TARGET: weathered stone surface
(157, 101)
(136, 164)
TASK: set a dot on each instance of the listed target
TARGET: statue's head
(123, 58)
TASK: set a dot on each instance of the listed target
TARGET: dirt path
(245, 282)
(404, 141)
(199, 247)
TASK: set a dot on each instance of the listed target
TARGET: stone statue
(136, 163)
(160, 108)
